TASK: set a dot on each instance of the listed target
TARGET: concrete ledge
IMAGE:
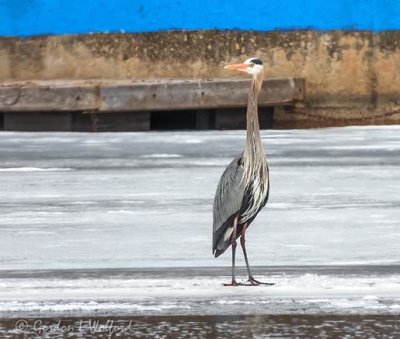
(119, 95)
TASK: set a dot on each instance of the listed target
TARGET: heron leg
(233, 244)
(243, 244)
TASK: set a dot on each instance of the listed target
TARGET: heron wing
(228, 198)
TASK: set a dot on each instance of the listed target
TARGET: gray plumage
(227, 202)
(234, 197)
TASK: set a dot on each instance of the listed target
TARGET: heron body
(243, 189)
(235, 198)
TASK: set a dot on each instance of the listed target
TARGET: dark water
(272, 326)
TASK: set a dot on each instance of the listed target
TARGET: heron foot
(255, 282)
(233, 283)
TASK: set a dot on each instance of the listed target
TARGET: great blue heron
(244, 186)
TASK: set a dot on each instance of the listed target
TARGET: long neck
(255, 167)
(253, 139)
(254, 160)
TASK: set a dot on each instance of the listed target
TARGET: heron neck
(253, 139)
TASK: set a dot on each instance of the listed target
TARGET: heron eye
(251, 65)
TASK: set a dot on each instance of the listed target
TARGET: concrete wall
(348, 51)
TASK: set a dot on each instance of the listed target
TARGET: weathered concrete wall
(351, 77)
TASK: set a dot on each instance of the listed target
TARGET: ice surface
(198, 292)
(137, 200)
(75, 200)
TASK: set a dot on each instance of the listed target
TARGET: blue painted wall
(32, 17)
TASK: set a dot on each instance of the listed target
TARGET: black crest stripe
(256, 61)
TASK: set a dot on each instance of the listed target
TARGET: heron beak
(237, 67)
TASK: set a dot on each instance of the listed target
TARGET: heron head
(252, 66)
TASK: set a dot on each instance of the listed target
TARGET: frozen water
(70, 200)
(194, 291)
(139, 200)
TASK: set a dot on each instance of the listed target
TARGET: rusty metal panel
(38, 121)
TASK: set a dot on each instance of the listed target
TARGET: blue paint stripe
(31, 17)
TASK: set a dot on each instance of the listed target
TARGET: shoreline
(207, 326)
